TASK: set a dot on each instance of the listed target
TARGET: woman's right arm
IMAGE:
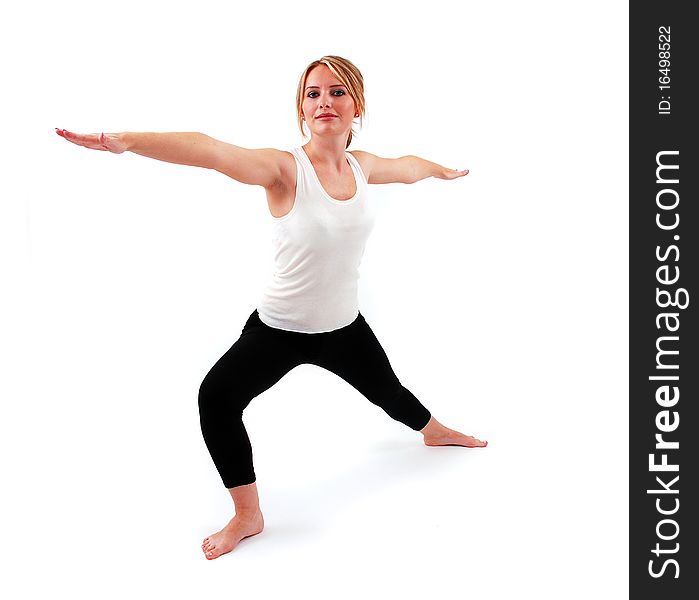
(252, 166)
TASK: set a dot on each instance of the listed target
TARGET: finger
(72, 136)
(69, 135)
(87, 140)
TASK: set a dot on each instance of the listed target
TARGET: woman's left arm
(406, 169)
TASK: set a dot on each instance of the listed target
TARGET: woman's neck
(328, 152)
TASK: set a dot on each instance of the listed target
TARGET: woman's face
(323, 94)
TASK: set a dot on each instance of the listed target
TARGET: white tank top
(318, 247)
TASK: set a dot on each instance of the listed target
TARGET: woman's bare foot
(239, 527)
(456, 439)
(437, 434)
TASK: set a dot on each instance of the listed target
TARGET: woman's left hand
(451, 173)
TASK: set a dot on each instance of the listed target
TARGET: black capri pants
(263, 355)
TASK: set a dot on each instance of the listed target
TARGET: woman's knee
(206, 393)
(215, 394)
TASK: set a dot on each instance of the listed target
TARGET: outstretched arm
(407, 169)
(252, 166)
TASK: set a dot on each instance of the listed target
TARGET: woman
(308, 314)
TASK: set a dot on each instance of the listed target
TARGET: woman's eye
(341, 93)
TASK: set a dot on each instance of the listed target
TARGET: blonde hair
(348, 74)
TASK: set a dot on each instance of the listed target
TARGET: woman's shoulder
(365, 160)
(361, 154)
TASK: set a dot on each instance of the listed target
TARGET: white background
(500, 299)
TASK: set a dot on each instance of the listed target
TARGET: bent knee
(212, 394)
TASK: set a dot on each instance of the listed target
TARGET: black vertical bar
(663, 558)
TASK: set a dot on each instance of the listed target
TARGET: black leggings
(263, 355)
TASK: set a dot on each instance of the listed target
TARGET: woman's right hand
(111, 142)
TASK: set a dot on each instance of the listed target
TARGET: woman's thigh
(355, 354)
(256, 361)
